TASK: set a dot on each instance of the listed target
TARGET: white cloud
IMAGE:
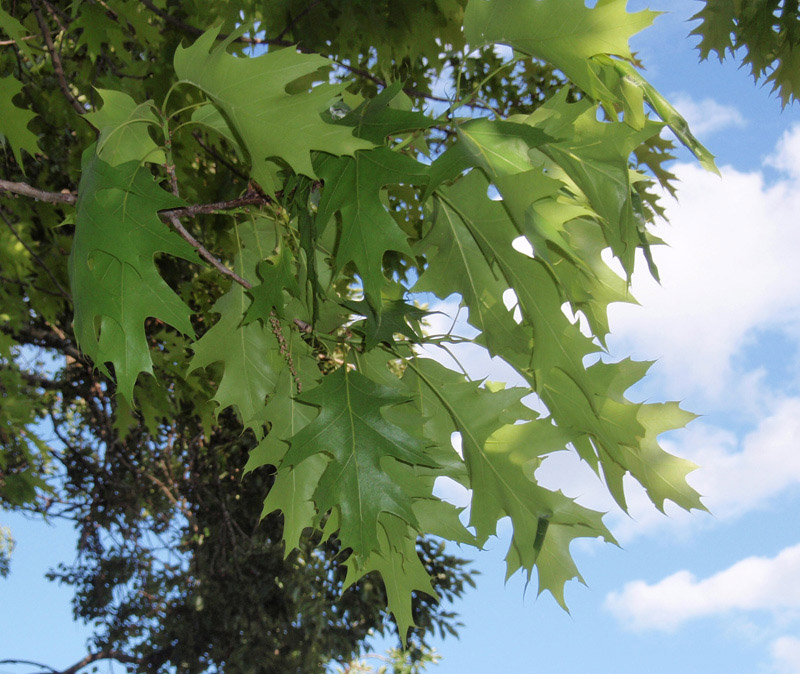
(753, 584)
(786, 157)
(785, 653)
(730, 274)
(707, 116)
(737, 477)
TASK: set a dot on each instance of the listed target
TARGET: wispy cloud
(785, 653)
(707, 116)
(753, 584)
(729, 274)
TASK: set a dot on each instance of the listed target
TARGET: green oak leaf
(268, 295)
(248, 353)
(661, 474)
(397, 561)
(664, 109)
(293, 489)
(381, 327)
(502, 150)
(565, 33)
(112, 269)
(501, 459)
(208, 115)
(14, 120)
(97, 29)
(457, 264)
(605, 427)
(123, 125)
(717, 22)
(596, 155)
(272, 123)
(377, 118)
(498, 148)
(352, 431)
(353, 188)
(16, 31)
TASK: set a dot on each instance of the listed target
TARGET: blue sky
(686, 593)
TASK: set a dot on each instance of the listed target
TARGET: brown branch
(171, 216)
(7, 43)
(201, 209)
(40, 381)
(123, 658)
(24, 662)
(226, 271)
(180, 504)
(187, 211)
(58, 67)
(28, 191)
(43, 338)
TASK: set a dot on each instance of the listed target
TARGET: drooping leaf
(268, 295)
(353, 188)
(352, 431)
(16, 31)
(566, 33)
(97, 30)
(377, 118)
(402, 572)
(501, 458)
(393, 319)
(115, 282)
(596, 156)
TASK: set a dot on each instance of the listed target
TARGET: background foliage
(237, 233)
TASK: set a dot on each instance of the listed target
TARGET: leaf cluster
(260, 207)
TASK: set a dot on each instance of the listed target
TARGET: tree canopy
(224, 225)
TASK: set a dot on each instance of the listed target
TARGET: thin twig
(296, 19)
(201, 209)
(24, 662)
(88, 660)
(27, 191)
(172, 216)
(57, 65)
(43, 338)
(7, 43)
(186, 211)
(205, 254)
(25, 284)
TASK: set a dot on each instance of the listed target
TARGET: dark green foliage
(764, 34)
